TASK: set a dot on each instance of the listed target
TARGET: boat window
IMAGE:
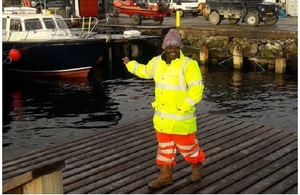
(4, 23)
(49, 23)
(61, 23)
(33, 24)
(15, 25)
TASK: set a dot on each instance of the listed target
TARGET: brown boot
(196, 172)
(165, 177)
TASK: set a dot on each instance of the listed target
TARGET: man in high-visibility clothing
(178, 88)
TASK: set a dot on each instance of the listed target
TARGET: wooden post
(280, 65)
(46, 184)
(203, 54)
(46, 179)
(238, 57)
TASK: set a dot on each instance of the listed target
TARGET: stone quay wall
(261, 47)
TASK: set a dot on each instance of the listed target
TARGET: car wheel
(252, 19)
(215, 18)
(195, 14)
(271, 21)
(233, 20)
(181, 13)
(136, 19)
(158, 20)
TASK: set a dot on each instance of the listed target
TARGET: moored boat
(43, 45)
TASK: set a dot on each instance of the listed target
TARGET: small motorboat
(43, 45)
(141, 12)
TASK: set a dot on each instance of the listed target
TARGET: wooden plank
(237, 174)
(292, 190)
(231, 158)
(17, 182)
(259, 174)
(284, 184)
(98, 184)
(269, 183)
(71, 144)
(89, 174)
(135, 185)
(90, 177)
(59, 153)
(241, 157)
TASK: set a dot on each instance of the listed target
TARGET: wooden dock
(241, 158)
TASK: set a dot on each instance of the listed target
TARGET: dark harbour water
(39, 113)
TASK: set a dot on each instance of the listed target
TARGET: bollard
(280, 65)
(238, 57)
(177, 18)
(203, 54)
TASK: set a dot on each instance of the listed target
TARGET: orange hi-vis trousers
(187, 145)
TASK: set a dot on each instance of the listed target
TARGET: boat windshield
(61, 23)
(49, 23)
(33, 24)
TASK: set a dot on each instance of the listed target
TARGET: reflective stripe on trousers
(187, 145)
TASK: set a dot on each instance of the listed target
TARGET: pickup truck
(252, 12)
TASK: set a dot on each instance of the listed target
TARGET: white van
(185, 6)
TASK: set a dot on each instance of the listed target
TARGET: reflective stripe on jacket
(178, 88)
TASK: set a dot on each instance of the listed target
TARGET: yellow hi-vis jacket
(178, 88)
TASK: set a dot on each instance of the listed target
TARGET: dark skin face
(172, 52)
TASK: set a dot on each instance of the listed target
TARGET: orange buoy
(14, 54)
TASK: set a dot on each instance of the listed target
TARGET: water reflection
(41, 108)
(259, 97)
(237, 78)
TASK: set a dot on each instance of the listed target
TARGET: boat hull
(148, 11)
(61, 58)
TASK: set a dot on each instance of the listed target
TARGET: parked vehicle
(40, 4)
(252, 12)
(185, 7)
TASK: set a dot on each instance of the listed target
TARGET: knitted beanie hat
(172, 39)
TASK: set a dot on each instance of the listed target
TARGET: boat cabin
(24, 24)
